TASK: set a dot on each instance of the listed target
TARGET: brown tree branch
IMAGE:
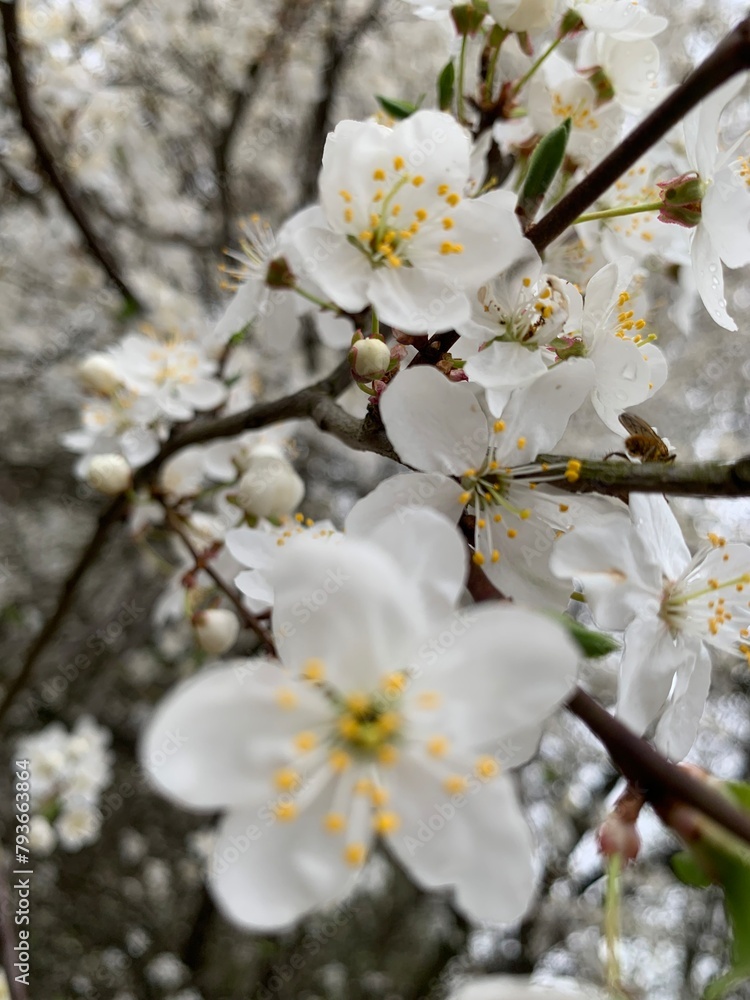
(731, 56)
(662, 783)
(203, 562)
(63, 185)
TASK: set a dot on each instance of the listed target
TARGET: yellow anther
(417, 181)
(398, 162)
(345, 195)
(285, 812)
(357, 701)
(486, 767)
(299, 518)
(443, 189)
(495, 556)
(429, 699)
(497, 518)
(314, 670)
(498, 426)
(354, 854)
(388, 723)
(386, 822)
(387, 754)
(286, 779)
(478, 559)
(334, 822)
(348, 215)
(438, 746)
(378, 175)
(481, 523)
(305, 741)
(526, 282)
(563, 508)
(339, 760)
(453, 199)
(448, 223)
(394, 684)
(421, 214)
(512, 532)
(363, 786)
(521, 443)
(524, 514)
(286, 698)
(454, 784)
(348, 727)
(379, 796)
(464, 498)
(365, 236)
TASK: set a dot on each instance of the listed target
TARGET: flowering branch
(662, 783)
(696, 479)
(204, 562)
(30, 122)
(731, 56)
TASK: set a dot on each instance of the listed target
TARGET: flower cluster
(69, 771)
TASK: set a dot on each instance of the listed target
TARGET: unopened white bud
(270, 487)
(42, 838)
(98, 372)
(216, 630)
(369, 359)
(110, 474)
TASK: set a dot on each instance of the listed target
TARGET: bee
(643, 442)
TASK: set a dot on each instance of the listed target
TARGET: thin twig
(30, 121)
(111, 515)
(202, 562)
(731, 56)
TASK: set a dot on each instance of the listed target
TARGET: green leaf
(688, 871)
(446, 86)
(544, 164)
(592, 644)
(395, 108)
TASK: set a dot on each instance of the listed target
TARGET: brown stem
(64, 186)
(731, 56)
(177, 524)
(111, 515)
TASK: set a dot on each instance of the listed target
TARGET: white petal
(709, 277)
(624, 377)
(661, 534)
(242, 310)
(617, 575)
(498, 669)
(215, 739)
(725, 212)
(265, 874)
(347, 605)
(649, 662)
(401, 494)
(678, 725)
(433, 142)
(417, 299)
(334, 331)
(341, 271)
(252, 547)
(256, 588)
(505, 365)
(602, 293)
(702, 126)
(477, 841)
(434, 424)
(626, 21)
(539, 412)
(432, 555)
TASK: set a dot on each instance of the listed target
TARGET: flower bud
(682, 197)
(42, 839)
(110, 474)
(98, 373)
(617, 836)
(216, 630)
(270, 487)
(369, 358)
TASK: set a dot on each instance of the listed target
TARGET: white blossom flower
(638, 576)
(395, 230)
(375, 726)
(557, 92)
(621, 19)
(42, 837)
(173, 371)
(110, 474)
(78, 825)
(723, 229)
(629, 67)
(440, 427)
(269, 486)
(216, 629)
